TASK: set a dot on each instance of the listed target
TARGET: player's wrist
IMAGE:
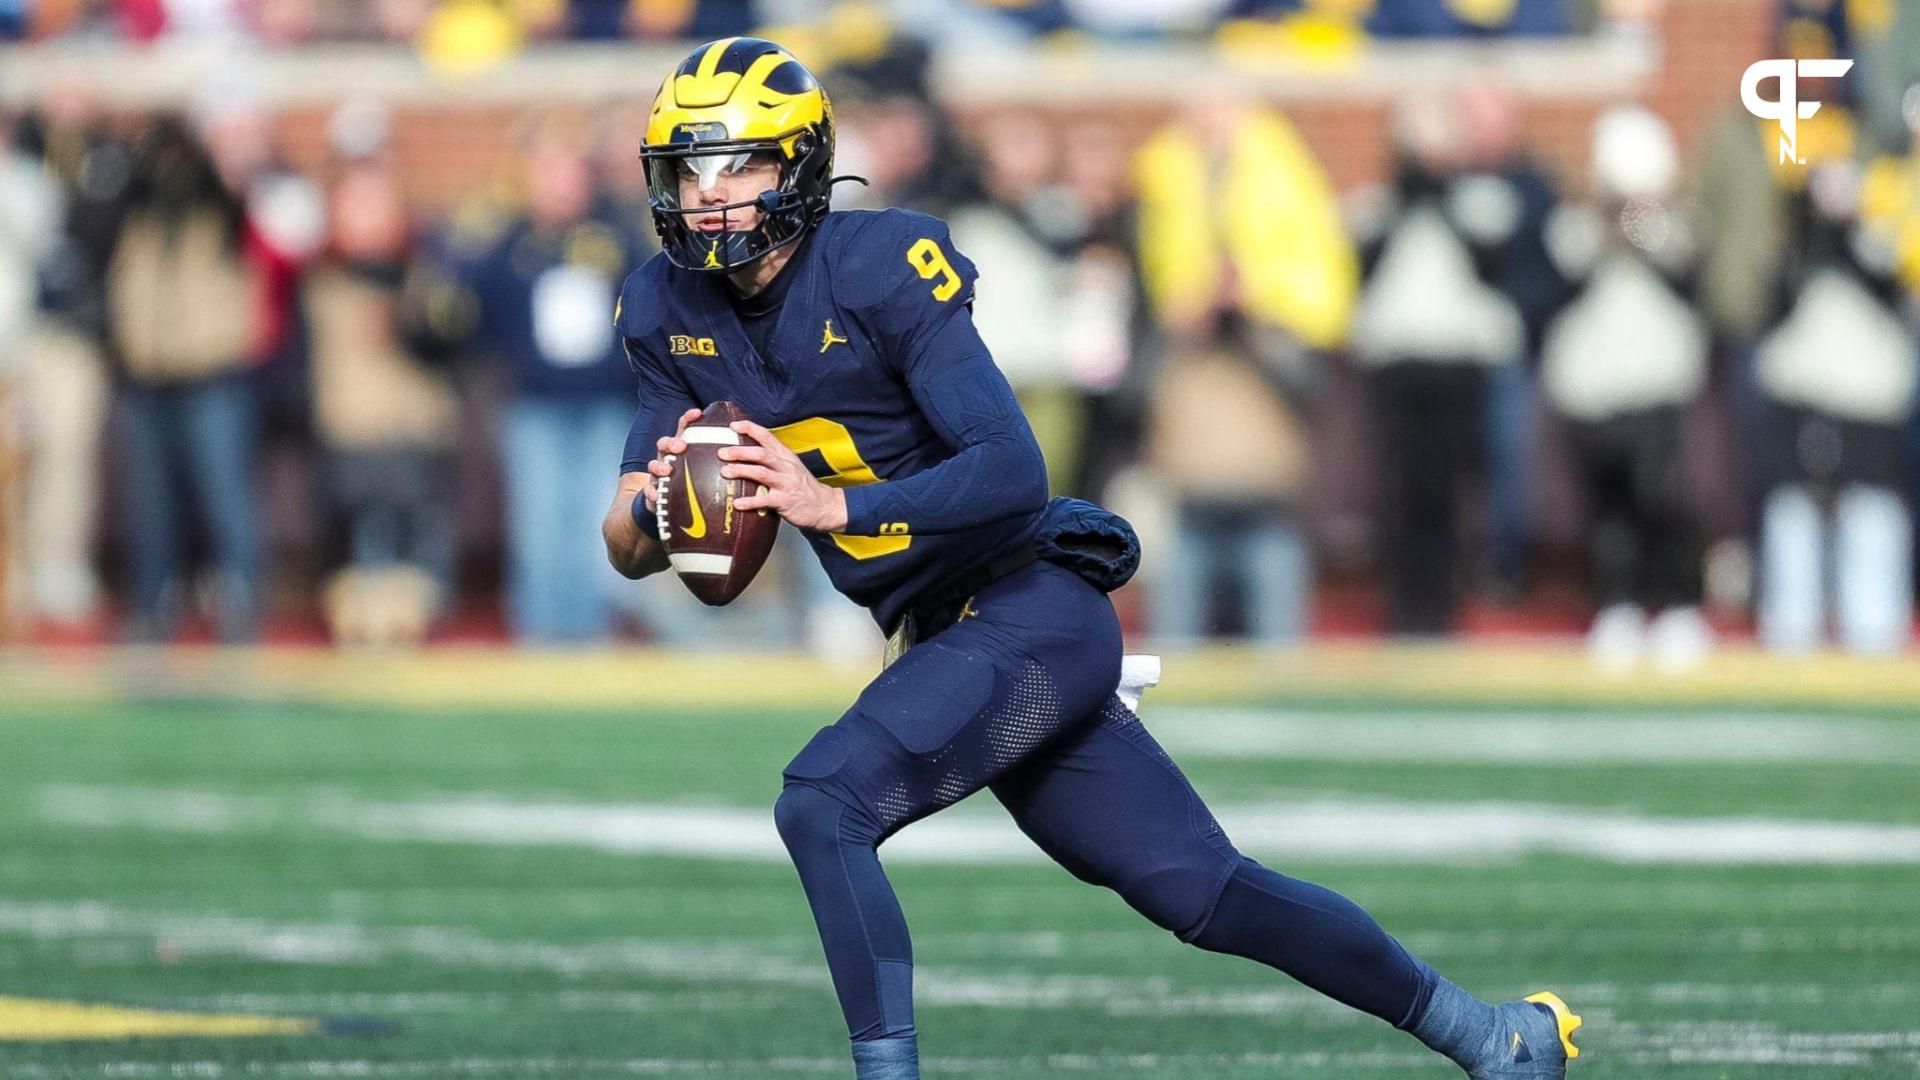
(643, 515)
(855, 515)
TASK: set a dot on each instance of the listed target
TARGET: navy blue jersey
(874, 375)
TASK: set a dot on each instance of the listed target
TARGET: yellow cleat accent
(1563, 1016)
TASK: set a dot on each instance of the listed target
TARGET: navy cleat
(1537, 1034)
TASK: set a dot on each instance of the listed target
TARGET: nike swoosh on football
(699, 527)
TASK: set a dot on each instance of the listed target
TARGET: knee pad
(807, 819)
(1179, 897)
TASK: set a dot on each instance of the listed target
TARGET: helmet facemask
(786, 211)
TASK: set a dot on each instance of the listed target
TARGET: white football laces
(661, 518)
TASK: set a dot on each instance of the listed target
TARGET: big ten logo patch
(682, 345)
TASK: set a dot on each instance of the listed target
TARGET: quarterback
(887, 436)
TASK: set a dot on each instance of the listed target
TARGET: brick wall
(447, 152)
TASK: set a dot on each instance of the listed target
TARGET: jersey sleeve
(925, 324)
(662, 394)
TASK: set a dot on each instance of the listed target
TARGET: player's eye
(752, 162)
(707, 169)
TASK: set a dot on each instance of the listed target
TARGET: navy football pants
(1018, 697)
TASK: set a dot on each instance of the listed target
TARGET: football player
(890, 439)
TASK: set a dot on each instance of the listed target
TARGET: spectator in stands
(1103, 313)
(1029, 18)
(1141, 18)
(893, 134)
(1250, 280)
(697, 20)
(619, 179)
(1430, 18)
(1454, 18)
(399, 21)
(973, 22)
(1740, 221)
(546, 292)
(285, 228)
(147, 20)
(1506, 198)
(67, 378)
(1621, 364)
(29, 229)
(184, 295)
(1017, 227)
(1433, 321)
(385, 414)
(1059, 305)
(285, 220)
(1838, 375)
(1886, 48)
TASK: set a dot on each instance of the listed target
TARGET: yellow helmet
(731, 99)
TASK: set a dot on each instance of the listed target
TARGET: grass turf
(463, 959)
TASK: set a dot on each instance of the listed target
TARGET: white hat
(1634, 155)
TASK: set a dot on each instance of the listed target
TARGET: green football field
(206, 883)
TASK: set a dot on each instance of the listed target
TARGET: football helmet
(730, 100)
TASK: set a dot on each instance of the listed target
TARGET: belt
(940, 606)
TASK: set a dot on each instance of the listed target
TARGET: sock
(1458, 1025)
(896, 1057)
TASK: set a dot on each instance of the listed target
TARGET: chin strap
(861, 180)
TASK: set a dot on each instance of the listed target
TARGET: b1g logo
(1789, 110)
(682, 345)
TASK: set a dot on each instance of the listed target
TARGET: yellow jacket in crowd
(1265, 209)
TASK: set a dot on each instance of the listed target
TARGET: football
(715, 549)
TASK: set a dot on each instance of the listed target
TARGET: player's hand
(659, 469)
(791, 491)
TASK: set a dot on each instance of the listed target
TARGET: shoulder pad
(877, 256)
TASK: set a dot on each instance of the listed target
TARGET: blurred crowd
(228, 389)
(438, 23)
(168, 281)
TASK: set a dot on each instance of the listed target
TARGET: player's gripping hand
(632, 538)
(791, 491)
(659, 468)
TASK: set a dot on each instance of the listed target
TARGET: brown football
(714, 548)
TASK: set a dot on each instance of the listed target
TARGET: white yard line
(1769, 993)
(782, 963)
(1247, 1000)
(1556, 738)
(1311, 828)
(348, 944)
(337, 943)
(443, 1002)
